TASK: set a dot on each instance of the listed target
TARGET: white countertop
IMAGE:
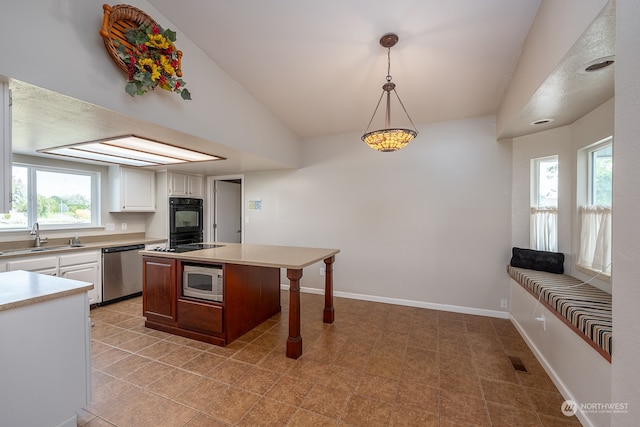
(20, 288)
(259, 255)
(56, 249)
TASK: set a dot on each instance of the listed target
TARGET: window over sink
(54, 197)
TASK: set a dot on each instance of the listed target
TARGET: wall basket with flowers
(142, 49)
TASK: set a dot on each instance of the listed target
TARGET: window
(544, 204)
(595, 215)
(55, 198)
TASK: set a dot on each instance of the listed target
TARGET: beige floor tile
(146, 409)
(365, 412)
(229, 404)
(179, 356)
(148, 373)
(505, 393)
(303, 418)
(326, 401)
(404, 417)
(464, 409)
(506, 416)
(417, 396)
(268, 413)
(456, 382)
(290, 390)
(340, 378)
(202, 363)
(229, 371)
(377, 364)
(258, 380)
(546, 402)
(173, 383)
(127, 365)
(377, 387)
(202, 420)
(549, 421)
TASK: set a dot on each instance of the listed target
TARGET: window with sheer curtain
(595, 217)
(544, 204)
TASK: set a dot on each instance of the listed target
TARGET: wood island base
(251, 291)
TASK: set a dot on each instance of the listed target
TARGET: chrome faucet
(35, 231)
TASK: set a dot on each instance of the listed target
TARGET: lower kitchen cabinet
(45, 359)
(80, 267)
(159, 290)
(200, 317)
(251, 296)
(84, 266)
(43, 265)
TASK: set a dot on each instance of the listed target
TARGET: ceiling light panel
(131, 150)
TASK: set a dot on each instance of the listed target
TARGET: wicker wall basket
(116, 21)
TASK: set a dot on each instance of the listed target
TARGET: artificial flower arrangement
(151, 61)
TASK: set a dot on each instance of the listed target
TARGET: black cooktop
(188, 247)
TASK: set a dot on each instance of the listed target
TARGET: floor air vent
(517, 364)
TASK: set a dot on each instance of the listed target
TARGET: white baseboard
(408, 303)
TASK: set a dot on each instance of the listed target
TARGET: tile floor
(377, 365)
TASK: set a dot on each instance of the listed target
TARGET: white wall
(626, 203)
(428, 224)
(56, 45)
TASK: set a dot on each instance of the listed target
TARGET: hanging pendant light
(389, 138)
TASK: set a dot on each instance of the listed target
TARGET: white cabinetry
(85, 267)
(46, 355)
(43, 265)
(132, 189)
(5, 147)
(183, 185)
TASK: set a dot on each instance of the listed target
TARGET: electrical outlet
(542, 321)
(123, 226)
(504, 303)
(111, 226)
(322, 271)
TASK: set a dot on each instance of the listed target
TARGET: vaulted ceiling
(319, 66)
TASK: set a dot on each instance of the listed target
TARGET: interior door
(227, 211)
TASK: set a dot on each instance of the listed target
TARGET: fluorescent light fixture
(131, 150)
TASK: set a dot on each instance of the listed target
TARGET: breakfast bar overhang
(239, 255)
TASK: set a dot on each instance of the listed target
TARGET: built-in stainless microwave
(204, 282)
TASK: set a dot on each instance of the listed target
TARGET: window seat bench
(585, 309)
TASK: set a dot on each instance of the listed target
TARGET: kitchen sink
(40, 249)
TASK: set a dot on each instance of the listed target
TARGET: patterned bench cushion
(585, 308)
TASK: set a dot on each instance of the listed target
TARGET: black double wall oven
(185, 221)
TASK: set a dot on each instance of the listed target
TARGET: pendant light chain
(389, 64)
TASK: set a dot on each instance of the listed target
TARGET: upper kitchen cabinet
(5, 147)
(183, 185)
(132, 189)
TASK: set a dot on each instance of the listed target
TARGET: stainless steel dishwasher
(121, 272)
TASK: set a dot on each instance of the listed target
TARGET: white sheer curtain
(544, 229)
(595, 238)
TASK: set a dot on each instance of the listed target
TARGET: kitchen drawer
(79, 258)
(34, 264)
(200, 317)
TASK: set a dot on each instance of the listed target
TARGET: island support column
(294, 342)
(328, 314)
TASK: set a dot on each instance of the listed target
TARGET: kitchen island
(251, 291)
(45, 361)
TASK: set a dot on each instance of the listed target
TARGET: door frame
(209, 204)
